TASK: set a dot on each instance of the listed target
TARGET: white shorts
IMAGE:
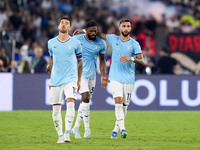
(122, 90)
(58, 92)
(87, 85)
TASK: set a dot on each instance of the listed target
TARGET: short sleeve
(137, 48)
(49, 48)
(79, 48)
(104, 47)
(110, 37)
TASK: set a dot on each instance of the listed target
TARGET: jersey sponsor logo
(128, 46)
(96, 46)
(69, 46)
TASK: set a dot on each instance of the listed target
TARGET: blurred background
(168, 31)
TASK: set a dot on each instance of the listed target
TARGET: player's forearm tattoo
(139, 59)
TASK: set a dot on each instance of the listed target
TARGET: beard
(63, 30)
(125, 34)
(92, 38)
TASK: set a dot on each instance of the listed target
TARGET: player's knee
(118, 100)
(70, 100)
(85, 98)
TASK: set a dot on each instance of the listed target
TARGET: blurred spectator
(77, 22)
(151, 25)
(24, 65)
(29, 32)
(66, 6)
(150, 63)
(173, 24)
(3, 15)
(197, 20)
(166, 64)
(36, 20)
(186, 27)
(38, 64)
(1, 66)
(5, 59)
(42, 40)
(139, 31)
(46, 5)
(123, 8)
(112, 29)
(16, 20)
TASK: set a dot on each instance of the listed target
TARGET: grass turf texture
(147, 130)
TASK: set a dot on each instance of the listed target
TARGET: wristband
(132, 59)
(84, 30)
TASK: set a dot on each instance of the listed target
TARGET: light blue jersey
(122, 72)
(64, 60)
(90, 52)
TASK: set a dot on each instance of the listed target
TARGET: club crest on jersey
(128, 46)
(69, 46)
(96, 46)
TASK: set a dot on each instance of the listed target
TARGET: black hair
(67, 18)
(91, 23)
(124, 20)
(165, 49)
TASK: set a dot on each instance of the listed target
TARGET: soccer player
(92, 47)
(126, 52)
(65, 67)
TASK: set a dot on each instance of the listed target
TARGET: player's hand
(48, 69)
(104, 81)
(124, 59)
(78, 31)
(78, 85)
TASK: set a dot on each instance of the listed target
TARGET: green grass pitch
(147, 130)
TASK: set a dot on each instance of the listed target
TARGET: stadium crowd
(33, 22)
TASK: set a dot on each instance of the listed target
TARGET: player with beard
(65, 67)
(92, 47)
(126, 52)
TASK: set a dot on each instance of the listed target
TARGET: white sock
(57, 119)
(79, 118)
(69, 117)
(125, 111)
(119, 116)
(86, 114)
(116, 128)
